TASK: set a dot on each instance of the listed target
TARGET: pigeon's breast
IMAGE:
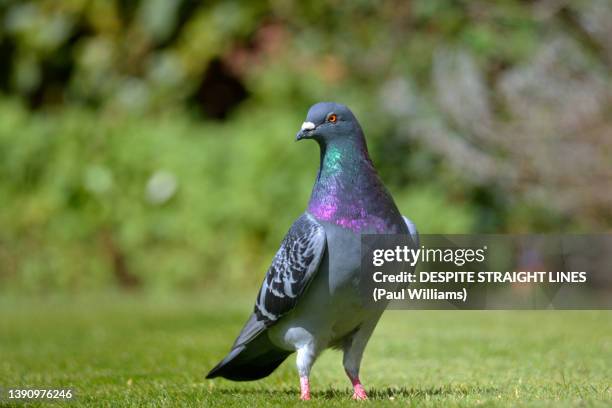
(343, 256)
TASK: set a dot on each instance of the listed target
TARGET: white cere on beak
(308, 126)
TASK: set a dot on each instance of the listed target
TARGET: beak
(306, 131)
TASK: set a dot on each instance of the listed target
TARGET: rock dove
(310, 298)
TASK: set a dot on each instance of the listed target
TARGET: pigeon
(310, 298)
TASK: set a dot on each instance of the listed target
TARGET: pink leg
(359, 392)
(304, 389)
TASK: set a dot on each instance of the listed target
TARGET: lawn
(119, 350)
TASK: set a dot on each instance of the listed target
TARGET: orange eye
(332, 118)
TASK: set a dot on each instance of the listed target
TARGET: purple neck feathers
(348, 191)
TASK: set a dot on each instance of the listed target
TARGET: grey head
(328, 122)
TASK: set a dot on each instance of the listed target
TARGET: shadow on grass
(373, 394)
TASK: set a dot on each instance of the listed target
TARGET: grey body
(332, 309)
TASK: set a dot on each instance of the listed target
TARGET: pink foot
(359, 393)
(304, 389)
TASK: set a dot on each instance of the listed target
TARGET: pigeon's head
(327, 122)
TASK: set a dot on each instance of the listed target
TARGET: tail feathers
(252, 361)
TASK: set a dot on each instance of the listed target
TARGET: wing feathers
(292, 269)
(414, 234)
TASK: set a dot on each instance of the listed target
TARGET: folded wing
(292, 269)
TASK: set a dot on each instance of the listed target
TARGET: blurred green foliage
(150, 143)
(169, 203)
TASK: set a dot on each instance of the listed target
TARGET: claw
(359, 393)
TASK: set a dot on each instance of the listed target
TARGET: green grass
(141, 351)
